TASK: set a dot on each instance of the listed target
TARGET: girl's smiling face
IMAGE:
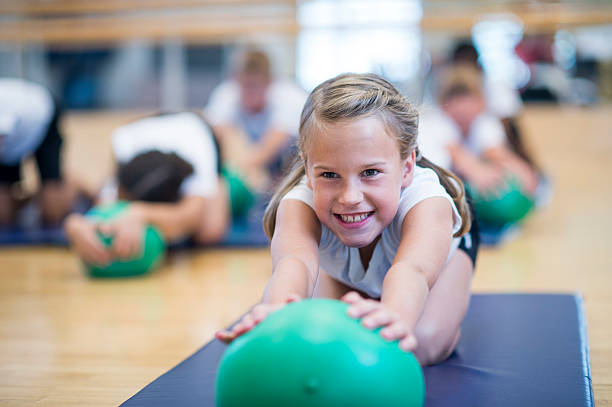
(356, 173)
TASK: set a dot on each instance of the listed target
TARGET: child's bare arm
(295, 264)
(294, 252)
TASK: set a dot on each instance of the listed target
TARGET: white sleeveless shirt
(343, 263)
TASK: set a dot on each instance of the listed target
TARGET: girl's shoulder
(301, 192)
(425, 184)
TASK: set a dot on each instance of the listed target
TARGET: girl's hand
(127, 231)
(83, 236)
(374, 314)
(255, 316)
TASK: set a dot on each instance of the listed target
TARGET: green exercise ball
(311, 353)
(240, 195)
(510, 206)
(153, 252)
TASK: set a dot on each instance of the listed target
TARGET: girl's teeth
(353, 218)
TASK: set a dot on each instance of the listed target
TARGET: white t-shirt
(437, 132)
(285, 101)
(343, 263)
(182, 133)
(26, 109)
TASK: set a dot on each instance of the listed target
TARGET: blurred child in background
(502, 100)
(29, 127)
(465, 136)
(261, 111)
(168, 167)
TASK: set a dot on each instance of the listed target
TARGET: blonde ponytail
(454, 187)
(294, 177)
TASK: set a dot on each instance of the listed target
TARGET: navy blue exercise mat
(243, 232)
(516, 350)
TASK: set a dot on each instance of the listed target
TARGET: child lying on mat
(364, 217)
(168, 167)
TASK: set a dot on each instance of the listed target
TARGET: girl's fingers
(351, 297)
(259, 313)
(93, 252)
(293, 298)
(105, 228)
(225, 336)
(379, 317)
(126, 245)
(244, 325)
(409, 343)
(394, 331)
(363, 307)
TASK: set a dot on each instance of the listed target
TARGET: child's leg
(437, 330)
(327, 287)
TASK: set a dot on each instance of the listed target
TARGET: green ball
(240, 195)
(153, 247)
(510, 206)
(311, 353)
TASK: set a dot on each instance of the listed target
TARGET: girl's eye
(329, 174)
(370, 172)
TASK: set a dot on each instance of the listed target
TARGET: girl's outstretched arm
(295, 263)
(295, 252)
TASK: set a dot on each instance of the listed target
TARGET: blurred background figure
(29, 128)
(258, 110)
(466, 137)
(501, 99)
(168, 167)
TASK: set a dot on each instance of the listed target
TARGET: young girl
(365, 218)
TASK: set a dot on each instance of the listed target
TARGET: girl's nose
(351, 194)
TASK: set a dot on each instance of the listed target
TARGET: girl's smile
(355, 220)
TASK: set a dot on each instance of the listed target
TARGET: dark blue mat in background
(244, 232)
(516, 350)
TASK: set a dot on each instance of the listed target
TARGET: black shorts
(47, 155)
(470, 242)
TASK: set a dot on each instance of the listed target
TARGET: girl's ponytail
(454, 187)
(292, 179)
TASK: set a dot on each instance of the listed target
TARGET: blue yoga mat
(516, 350)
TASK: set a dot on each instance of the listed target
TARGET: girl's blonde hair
(353, 96)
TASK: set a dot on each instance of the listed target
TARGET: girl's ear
(408, 169)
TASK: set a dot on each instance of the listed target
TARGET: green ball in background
(240, 195)
(311, 353)
(511, 206)
(154, 247)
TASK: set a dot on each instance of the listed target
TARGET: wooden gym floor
(66, 340)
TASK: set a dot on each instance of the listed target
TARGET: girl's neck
(365, 253)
